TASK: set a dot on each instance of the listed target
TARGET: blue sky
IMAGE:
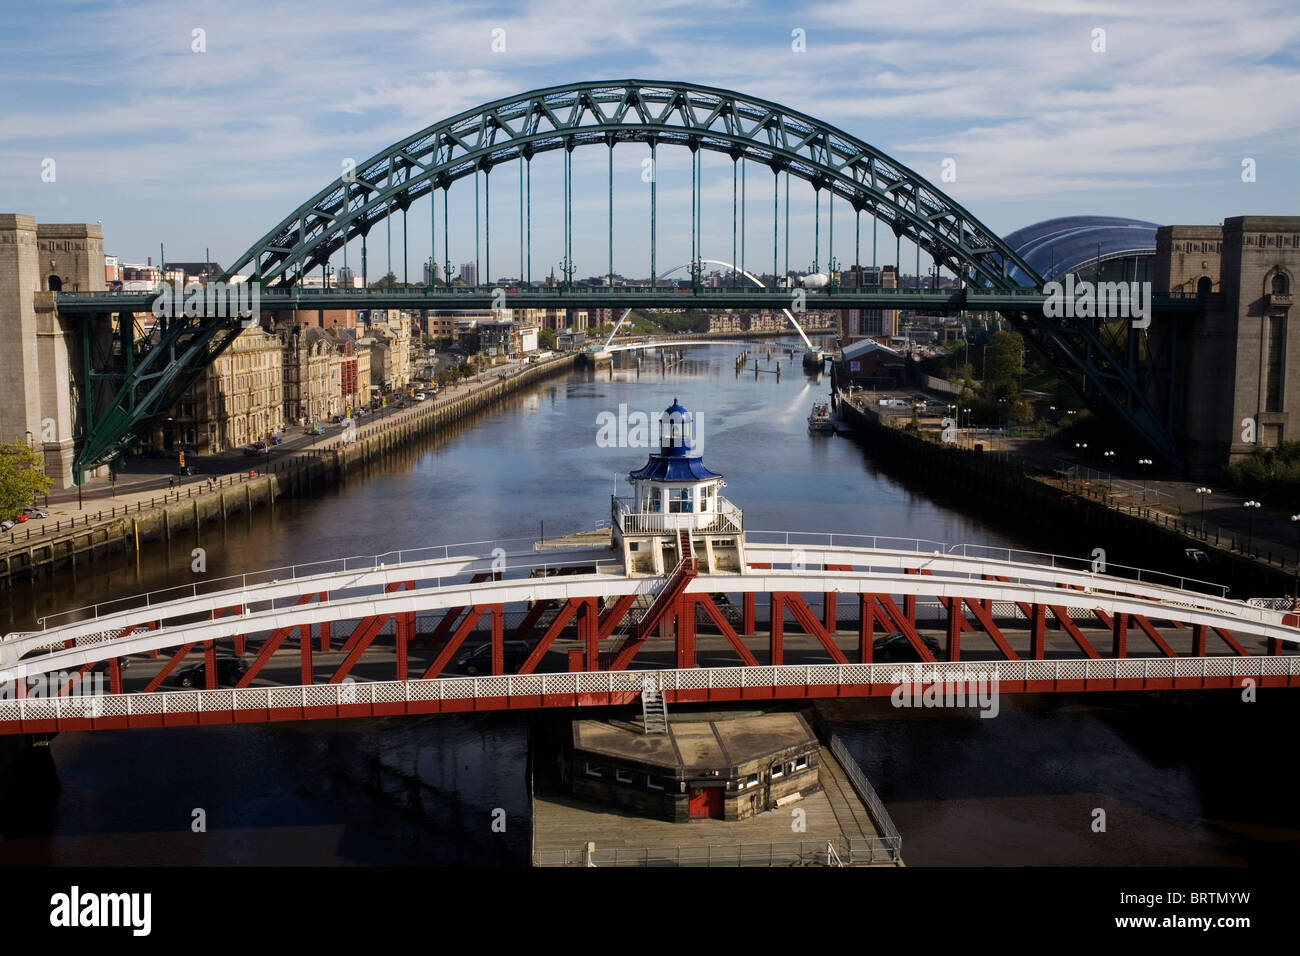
(212, 149)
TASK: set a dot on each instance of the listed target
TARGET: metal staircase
(635, 630)
(654, 712)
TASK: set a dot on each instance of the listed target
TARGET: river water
(1181, 779)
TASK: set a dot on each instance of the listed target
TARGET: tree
(546, 338)
(1005, 362)
(21, 477)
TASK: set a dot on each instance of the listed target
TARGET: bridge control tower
(677, 510)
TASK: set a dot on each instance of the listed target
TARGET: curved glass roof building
(1124, 249)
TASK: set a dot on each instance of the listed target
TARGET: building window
(592, 771)
(679, 500)
(750, 781)
(622, 776)
(1276, 361)
(650, 784)
(656, 502)
(801, 763)
(1280, 284)
(778, 771)
(706, 498)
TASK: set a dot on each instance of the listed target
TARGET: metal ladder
(654, 712)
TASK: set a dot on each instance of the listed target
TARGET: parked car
(186, 471)
(896, 647)
(420, 396)
(276, 439)
(255, 448)
(20, 517)
(229, 671)
(479, 660)
(33, 512)
(7, 525)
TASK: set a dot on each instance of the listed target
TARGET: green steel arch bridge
(129, 385)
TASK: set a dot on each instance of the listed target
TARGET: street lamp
(1295, 591)
(1203, 492)
(1144, 463)
(1251, 507)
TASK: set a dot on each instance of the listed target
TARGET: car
(20, 517)
(7, 525)
(314, 430)
(896, 647)
(420, 396)
(479, 660)
(32, 512)
(229, 671)
(186, 471)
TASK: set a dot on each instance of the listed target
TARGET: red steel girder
(901, 622)
(270, 646)
(1152, 633)
(719, 619)
(614, 615)
(803, 614)
(1062, 615)
(985, 618)
(548, 638)
(866, 627)
(529, 623)
(167, 668)
(444, 656)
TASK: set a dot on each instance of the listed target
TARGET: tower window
(1276, 361)
(1280, 285)
(679, 500)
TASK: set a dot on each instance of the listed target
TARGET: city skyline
(167, 144)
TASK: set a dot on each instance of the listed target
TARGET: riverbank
(132, 521)
(1060, 516)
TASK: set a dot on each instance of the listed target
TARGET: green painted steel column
(388, 224)
(446, 246)
(521, 220)
(743, 170)
(406, 259)
(654, 176)
(787, 222)
(735, 276)
(611, 214)
(478, 262)
(694, 154)
(776, 217)
(817, 228)
(529, 177)
(487, 226)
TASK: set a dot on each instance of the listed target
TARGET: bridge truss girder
(1115, 384)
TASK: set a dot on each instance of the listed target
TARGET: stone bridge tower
(40, 365)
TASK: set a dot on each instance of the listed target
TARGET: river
(1021, 789)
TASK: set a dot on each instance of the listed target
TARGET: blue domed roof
(1054, 247)
(677, 459)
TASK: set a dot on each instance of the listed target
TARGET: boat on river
(819, 419)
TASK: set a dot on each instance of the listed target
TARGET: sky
(205, 151)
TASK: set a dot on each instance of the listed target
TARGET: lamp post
(1295, 590)
(1251, 507)
(1203, 492)
(1144, 463)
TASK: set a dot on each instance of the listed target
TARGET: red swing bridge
(674, 598)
